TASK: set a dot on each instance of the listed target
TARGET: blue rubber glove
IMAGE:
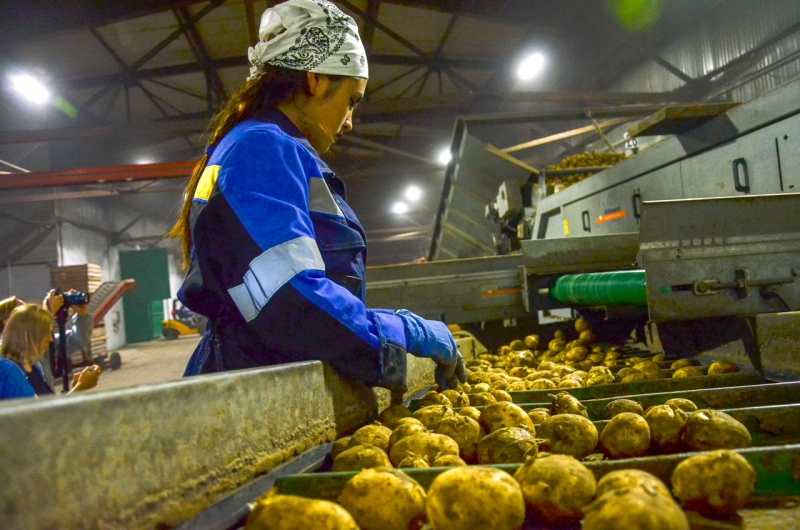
(432, 339)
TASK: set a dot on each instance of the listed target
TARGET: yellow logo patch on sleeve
(207, 181)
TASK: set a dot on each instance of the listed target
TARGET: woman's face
(329, 109)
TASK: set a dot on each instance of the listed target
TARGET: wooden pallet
(85, 278)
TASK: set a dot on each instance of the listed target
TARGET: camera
(74, 298)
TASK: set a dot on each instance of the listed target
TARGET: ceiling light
(531, 66)
(143, 161)
(445, 156)
(413, 193)
(400, 208)
(30, 88)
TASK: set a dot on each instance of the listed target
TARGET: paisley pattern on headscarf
(309, 35)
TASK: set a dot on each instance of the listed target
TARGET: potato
(634, 508)
(509, 445)
(517, 386)
(681, 363)
(473, 497)
(635, 377)
(541, 384)
(404, 431)
(708, 429)
(501, 395)
(517, 345)
(426, 445)
(448, 461)
(666, 427)
(659, 358)
(456, 398)
(650, 369)
(586, 337)
(569, 434)
(339, 446)
(622, 405)
(361, 457)
(576, 355)
(684, 404)
(569, 383)
(466, 388)
(715, 483)
(556, 345)
(481, 400)
(430, 416)
(556, 487)
(631, 361)
(413, 461)
(538, 416)
(434, 398)
(624, 372)
(631, 478)
(465, 431)
(504, 414)
(599, 375)
(581, 325)
(499, 384)
(687, 371)
(471, 412)
(376, 435)
(626, 435)
(531, 342)
(384, 499)
(390, 415)
(722, 367)
(504, 350)
(480, 388)
(287, 512)
(566, 403)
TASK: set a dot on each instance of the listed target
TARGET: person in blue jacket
(276, 258)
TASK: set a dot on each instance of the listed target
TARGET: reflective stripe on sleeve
(271, 270)
(320, 198)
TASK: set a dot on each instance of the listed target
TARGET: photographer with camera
(78, 330)
(26, 338)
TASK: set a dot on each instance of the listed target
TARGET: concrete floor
(149, 362)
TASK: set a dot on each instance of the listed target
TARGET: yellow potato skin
(361, 457)
(383, 499)
(376, 435)
(510, 445)
(622, 405)
(626, 435)
(707, 429)
(473, 498)
(631, 478)
(391, 415)
(404, 431)
(504, 414)
(681, 363)
(287, 512)
(685, 405)
(715, 483)
(569, 434)
(687, 371)
(722, 367)
(634, 508)
(471, 412)
(465, 431)
(666, 427)
(556, 487)
(431, 415)
(426, 445)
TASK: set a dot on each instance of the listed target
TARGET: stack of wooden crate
(84, 278)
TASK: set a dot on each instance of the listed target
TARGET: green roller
(601, 288)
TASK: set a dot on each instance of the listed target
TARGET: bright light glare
(30, 88)
(400, 208)
(531, 66)
(445, 156)
(143, 161)
(413, 193)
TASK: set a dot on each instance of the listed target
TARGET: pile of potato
(552, 489)
(557, 183)
(521, 365)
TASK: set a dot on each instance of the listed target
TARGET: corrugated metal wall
(735, 28)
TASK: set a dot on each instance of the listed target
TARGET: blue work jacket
(278, 262)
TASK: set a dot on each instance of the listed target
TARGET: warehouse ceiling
(134, 82)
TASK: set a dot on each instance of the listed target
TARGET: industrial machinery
(182, 322)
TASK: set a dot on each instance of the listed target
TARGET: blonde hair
(26, 328)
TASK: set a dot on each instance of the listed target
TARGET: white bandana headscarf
(309, 35)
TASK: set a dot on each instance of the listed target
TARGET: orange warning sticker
(501, 292)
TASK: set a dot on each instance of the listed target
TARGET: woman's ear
(317, 84)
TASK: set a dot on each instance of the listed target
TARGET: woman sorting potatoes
(276, 258)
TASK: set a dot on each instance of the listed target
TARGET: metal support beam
(72, 177)
(200, 52)
(386, 149)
